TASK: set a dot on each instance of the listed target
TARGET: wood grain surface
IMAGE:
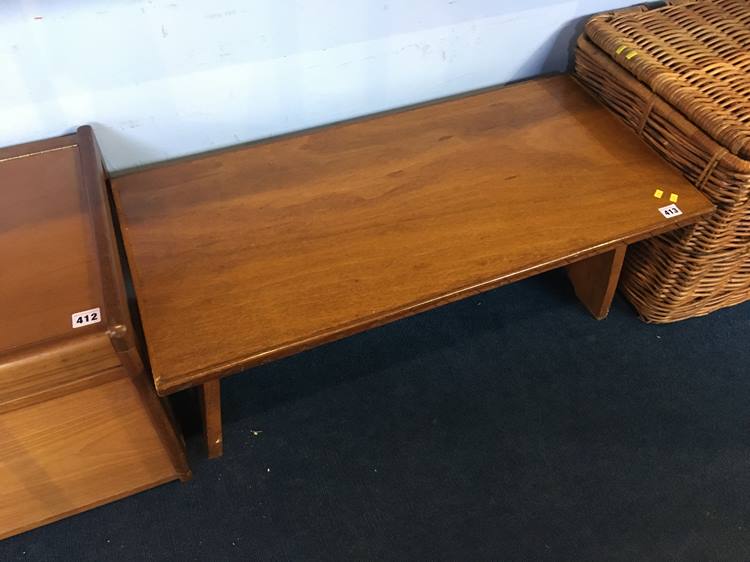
(71, 453)
(48, 257)
(250, 254)
(595, 280)
(211, 411)
(80, 423)
(40, 372)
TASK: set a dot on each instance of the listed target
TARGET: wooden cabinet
(80, 423)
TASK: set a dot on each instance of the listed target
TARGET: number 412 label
(87, 317)
(670, 211)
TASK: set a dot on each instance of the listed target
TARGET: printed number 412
(81, 319)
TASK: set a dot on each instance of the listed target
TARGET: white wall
(160, 79)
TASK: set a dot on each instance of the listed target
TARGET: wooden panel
(595, 280)
(114, 296)
(75, 452)
(48, 268)
(41, 372)
(247, 255)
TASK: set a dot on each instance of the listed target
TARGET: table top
(254, 253)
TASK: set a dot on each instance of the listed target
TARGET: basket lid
(695, 55)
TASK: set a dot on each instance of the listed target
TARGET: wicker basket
(680, 77)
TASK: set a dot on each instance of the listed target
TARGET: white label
(670, 211)
(81, 319)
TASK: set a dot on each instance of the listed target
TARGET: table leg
(595, 280)
(211, 407)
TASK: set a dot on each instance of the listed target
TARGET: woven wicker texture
(696, 55)
(696, 270)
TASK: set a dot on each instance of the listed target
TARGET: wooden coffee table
(251, 254)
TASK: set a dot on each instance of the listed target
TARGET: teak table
(254, 253)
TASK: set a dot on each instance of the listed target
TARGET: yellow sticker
(620, 49)
(631, 54)
(658, 194)
(674, 197)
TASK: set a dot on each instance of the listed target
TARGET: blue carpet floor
(510, 426)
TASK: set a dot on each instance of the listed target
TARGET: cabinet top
(59, 276)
